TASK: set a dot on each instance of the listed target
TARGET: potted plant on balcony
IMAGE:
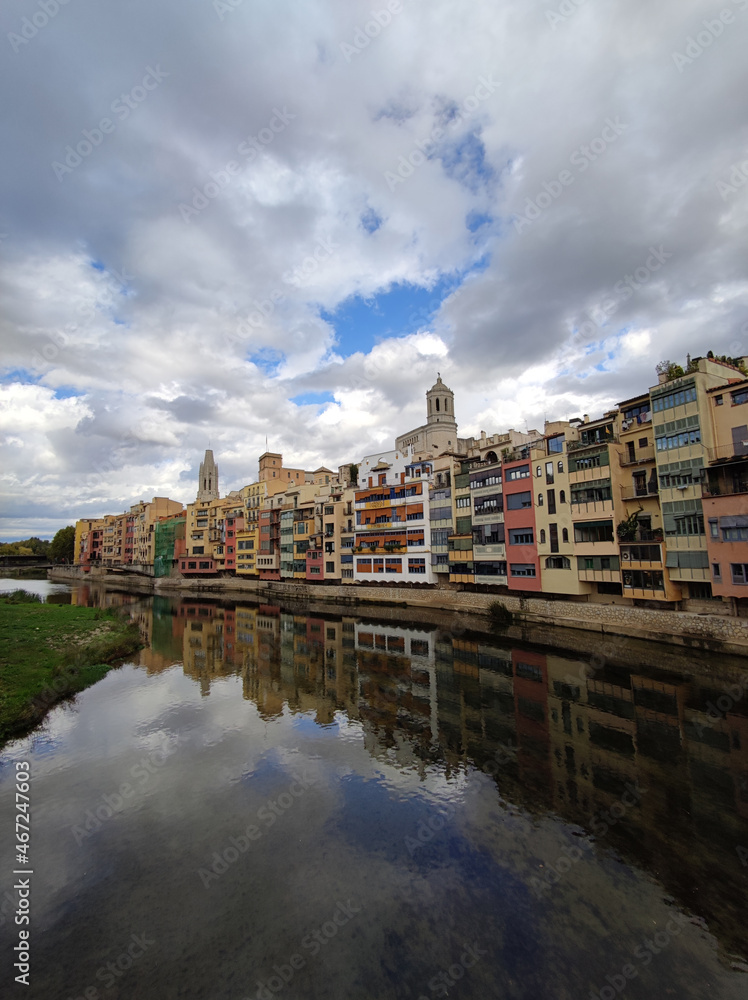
(626, 529)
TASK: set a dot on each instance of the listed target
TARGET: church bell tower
(207, 487)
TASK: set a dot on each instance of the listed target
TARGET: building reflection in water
(553, 741)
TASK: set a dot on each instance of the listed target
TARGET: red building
(523, 564)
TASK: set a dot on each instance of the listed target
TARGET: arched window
(560, 466)
(446, 406)
(491, 457)
(437, 404)
(540, 499)
(542, 536)
(538, 470)
(565, 535)
(562, 496)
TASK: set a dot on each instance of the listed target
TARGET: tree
(62, 548)
(353, 473)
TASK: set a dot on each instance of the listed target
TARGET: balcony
(497, 550)
(584, 509)
(722, 489)
(634, 492)
(735, 452)
(572, 446)
(639, 457)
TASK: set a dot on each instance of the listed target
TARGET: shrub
(21, 597)
(500, 615)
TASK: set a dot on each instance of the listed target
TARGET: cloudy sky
(230, 221)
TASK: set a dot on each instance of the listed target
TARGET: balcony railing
(632, 492)
(737, 451)
(724, 489)
(640, 456)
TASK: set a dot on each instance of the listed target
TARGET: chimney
(586, 418)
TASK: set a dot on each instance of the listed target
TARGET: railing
(738, 450)
(579, 445)
(640, 455)
(632, 492)
(724, 489)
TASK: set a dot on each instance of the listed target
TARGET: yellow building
(553, 519)
(644, 574)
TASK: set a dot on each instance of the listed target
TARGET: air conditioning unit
(625, 556)
(684, 487)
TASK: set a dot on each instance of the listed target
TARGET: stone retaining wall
(684, 628)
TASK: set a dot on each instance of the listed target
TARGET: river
(278, 803)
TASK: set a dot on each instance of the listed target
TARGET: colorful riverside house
(641, 545)
(167, 531)
(441, 520)
(268, 554)
(489, 533)
(593, 467)
(392, 513)
(230, 523)
(460, 538)
(519, 521)
(554, 526)
(682, 414)
(725, 495)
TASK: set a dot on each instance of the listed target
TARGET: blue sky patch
(313, 399)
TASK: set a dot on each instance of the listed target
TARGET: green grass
(51, 651)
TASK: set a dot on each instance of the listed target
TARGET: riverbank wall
(706, 632)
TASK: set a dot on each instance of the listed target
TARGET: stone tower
(440, 404)
(207, 487)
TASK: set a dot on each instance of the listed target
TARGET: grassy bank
(49, 652)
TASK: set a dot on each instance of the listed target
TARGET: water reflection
(461, 788)
(552, 739)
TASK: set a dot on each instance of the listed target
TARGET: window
(329, 509)
(551, 501)
(540, 499)
(560, 466)
(643, 442)
(562, 496)
(556, 444)
(689, 524)
(593, 531)
(198, 550)
(741, 396)
(539, 470)
(521, 536)
(517, 501)
(522, 569)
(734, 534)
(557, 562)
(643, 579)
(521, 472)
(549, 472)
(542, 536)
(416, 565)
(462, 502)
(674, 399)
(191, 565)
(716, 571)
(329, 567)
(713, 528)
(681, 440)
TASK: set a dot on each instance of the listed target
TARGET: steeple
(440, 404)
(207, 487)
